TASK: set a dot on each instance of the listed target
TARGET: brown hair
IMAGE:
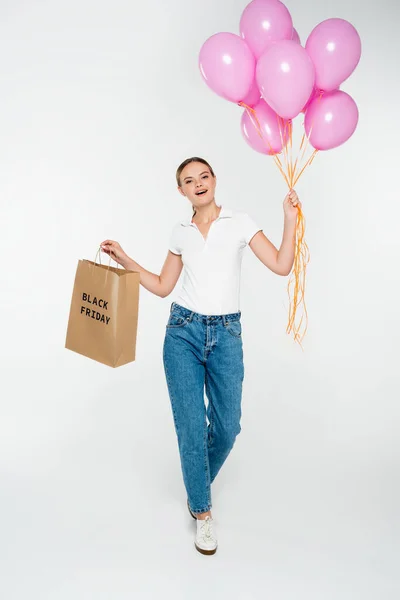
(185, 163)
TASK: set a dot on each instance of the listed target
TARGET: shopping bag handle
(109, 262)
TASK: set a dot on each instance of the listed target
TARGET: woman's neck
(206, 214)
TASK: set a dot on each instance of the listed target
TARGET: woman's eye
(205, 176)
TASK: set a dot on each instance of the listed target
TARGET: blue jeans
(203, 353)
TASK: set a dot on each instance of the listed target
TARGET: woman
(203, 344)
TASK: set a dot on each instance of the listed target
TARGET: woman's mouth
(201, 192)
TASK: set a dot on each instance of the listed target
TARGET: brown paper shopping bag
(103, 316)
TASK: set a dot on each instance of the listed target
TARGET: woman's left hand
(291, 205)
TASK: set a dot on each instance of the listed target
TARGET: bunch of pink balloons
(267, 69)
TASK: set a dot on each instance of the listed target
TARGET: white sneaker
(206, 539)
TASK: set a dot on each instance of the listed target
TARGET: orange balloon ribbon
(292, 168)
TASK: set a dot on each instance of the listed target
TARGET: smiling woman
(203, 348)
(206, 175)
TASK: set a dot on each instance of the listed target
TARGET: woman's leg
(224, 379)
(185, 372)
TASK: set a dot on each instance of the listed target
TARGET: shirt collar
(225, 213)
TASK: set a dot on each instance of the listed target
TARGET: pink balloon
(254, 95)
(335, 48)
(316, 93)
(227, 66)
(295, 36)
(285, 75)
(268, 122)
(263, 22)
(331, 119)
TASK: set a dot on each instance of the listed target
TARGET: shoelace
(206, 529)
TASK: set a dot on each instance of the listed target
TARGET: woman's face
(197, 184)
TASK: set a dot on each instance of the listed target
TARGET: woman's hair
(188, 161)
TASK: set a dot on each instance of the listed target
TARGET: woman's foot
(206, 538)
(204, 515)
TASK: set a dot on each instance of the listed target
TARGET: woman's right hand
(114, 250)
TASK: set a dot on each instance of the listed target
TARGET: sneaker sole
(207, 552)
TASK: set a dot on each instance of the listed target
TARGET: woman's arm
(279, 261)
(160, 285)
(163, 284)
(270, 256)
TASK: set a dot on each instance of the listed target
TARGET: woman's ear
(181, 191)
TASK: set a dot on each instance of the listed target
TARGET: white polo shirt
(212, 266)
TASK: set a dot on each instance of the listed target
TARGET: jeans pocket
(176, 320)
(234, 328)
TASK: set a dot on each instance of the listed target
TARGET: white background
(100, 102)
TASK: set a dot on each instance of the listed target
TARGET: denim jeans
(203, 354)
